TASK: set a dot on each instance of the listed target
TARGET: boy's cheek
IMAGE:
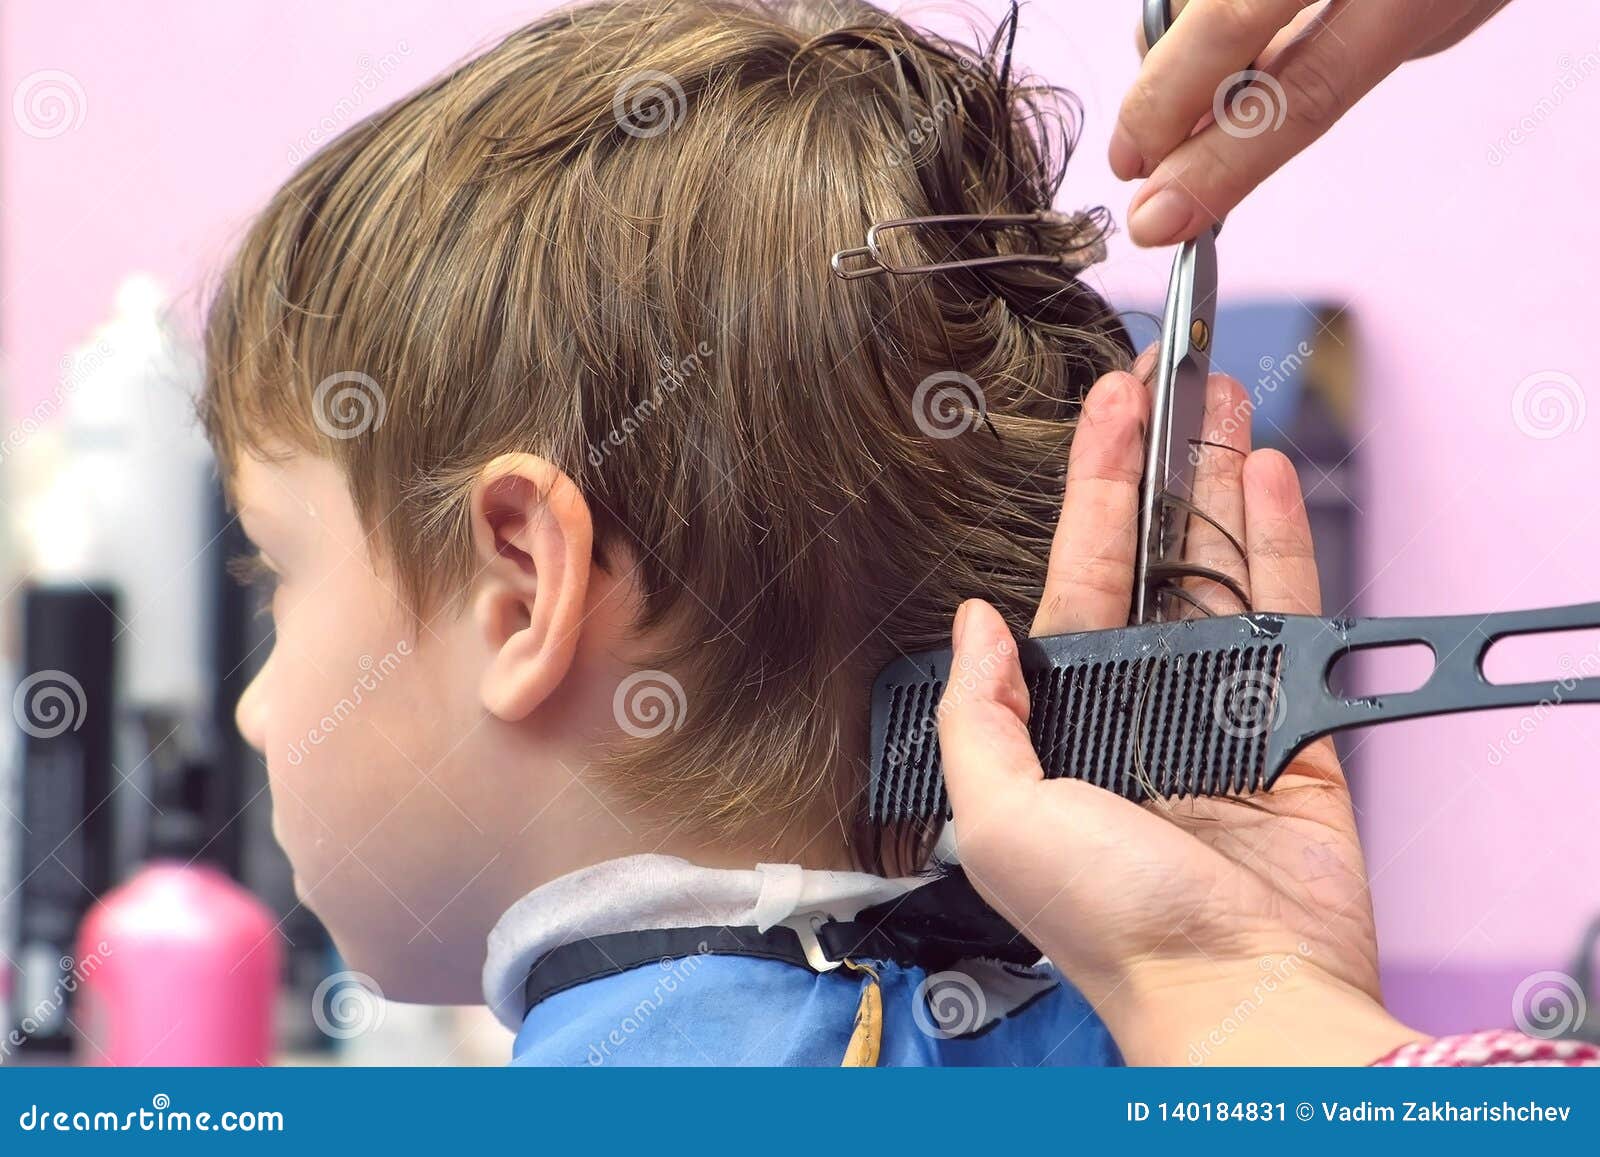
(360, 714)
(346, 737)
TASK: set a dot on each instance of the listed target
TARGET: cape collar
(637, 893)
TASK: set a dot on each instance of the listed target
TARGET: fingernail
(1162, 217)
(960, 625)
(1127, 162)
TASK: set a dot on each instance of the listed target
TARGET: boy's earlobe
(534, 539)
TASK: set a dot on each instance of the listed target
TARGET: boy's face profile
(413, 800)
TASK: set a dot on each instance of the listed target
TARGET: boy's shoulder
(651, 960)
(723, 1010)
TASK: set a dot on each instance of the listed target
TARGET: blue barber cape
(740, 1010)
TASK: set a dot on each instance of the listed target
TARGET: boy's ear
(534, 538)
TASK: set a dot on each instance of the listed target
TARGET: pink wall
(1470, 264)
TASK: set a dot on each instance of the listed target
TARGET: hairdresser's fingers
(1283, 566)
(1298, 95)
(983, 722)
(1283, 572)
(1144, 366)
(1219, 457)
(1089, 585)
(1030, 847)
(1209, 41)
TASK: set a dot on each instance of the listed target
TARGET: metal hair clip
(1070, 259)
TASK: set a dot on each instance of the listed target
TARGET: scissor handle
(1157, 19)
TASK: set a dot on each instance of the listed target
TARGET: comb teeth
(1196, 723)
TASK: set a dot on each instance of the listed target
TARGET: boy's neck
(821, 846)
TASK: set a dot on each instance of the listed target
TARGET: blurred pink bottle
(178, 966)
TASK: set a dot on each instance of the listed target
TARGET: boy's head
(596, 498)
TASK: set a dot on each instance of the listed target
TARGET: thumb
(1263, 118)
(983, 717)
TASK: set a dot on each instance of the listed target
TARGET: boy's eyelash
(251, 570)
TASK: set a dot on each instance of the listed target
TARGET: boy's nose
(251, 714)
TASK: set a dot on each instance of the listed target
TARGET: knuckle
(1139, 108)
(1218, 472)
(1214, 175)
(1281, 542)
(1315, 93)
(1101, 575)
(1235, 21)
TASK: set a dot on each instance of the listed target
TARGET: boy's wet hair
(606, 241)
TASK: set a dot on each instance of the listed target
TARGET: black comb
(1211, 706)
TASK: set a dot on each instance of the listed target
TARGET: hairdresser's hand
(1319, 59)
(1171, 917)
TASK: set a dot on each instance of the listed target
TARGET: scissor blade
(1177, 414)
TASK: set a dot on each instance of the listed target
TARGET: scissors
(1177, 399)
